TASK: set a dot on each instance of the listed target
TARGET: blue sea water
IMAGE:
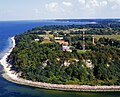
(9, 89)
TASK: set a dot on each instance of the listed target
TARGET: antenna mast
(83, 40)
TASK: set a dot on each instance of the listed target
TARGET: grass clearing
(82, 51)
(108, 36)
(47, 35)
(46, 41)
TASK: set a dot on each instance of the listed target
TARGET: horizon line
(60, 19)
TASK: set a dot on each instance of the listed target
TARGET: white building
(66, 48)
(58, 38)
(36, 39)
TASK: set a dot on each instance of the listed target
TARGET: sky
(58, 9)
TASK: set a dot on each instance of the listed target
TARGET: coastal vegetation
(39, 56)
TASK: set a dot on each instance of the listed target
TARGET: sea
(9, 89)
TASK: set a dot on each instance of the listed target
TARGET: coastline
(9, 75)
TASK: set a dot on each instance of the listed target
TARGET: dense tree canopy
(45, 62)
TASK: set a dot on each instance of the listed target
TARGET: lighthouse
(93, 40)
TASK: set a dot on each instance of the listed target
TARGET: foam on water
(9, 45)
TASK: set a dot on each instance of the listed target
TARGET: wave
(7, 48)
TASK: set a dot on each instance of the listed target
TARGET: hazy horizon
(62, 19)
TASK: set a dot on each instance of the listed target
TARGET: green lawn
(82, 51)
(108, 36)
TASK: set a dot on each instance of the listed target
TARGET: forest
(35, 61)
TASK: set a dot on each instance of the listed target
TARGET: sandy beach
(9, 75)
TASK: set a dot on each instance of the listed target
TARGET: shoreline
(10, 76)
